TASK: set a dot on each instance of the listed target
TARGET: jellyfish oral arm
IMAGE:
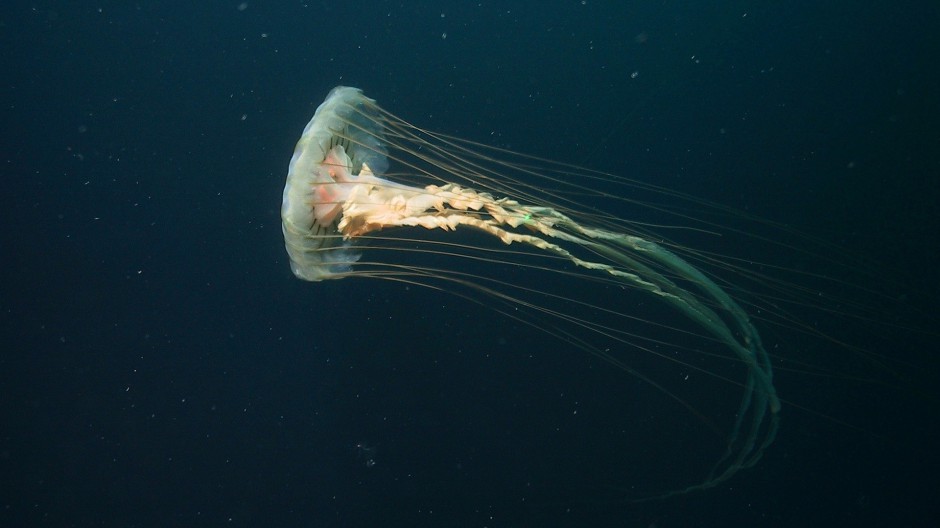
(376, 204)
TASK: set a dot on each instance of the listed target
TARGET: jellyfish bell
(370, 195)
(334, 153)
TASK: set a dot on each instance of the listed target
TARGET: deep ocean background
(161, 366)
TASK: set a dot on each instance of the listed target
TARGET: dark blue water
(162, 367)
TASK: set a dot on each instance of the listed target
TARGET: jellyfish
(365, 182)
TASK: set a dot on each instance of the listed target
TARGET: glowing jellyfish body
(338, 203)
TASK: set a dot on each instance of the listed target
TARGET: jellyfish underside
(340, 203)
